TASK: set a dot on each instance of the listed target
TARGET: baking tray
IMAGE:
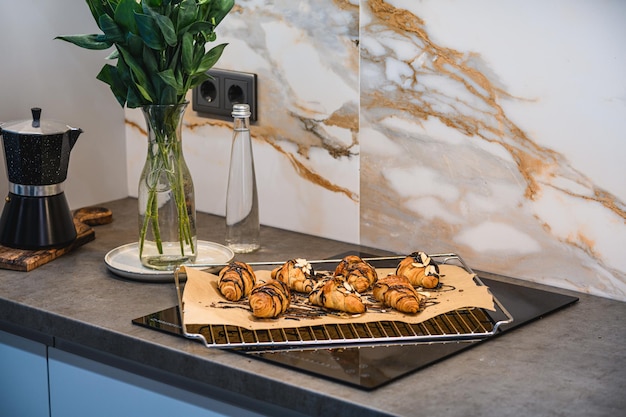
(369, 368)
(462, 324)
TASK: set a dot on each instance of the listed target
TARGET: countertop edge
(173, 367)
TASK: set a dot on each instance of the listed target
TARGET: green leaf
(197, 79)
(113, 55)
(93, 42)
(187, 52)
(167, 28)
(153, 3)
(149, 31)
(149, 61)
(124, 15)
(169, 96)
(97, 8)
(144, 92)
(151, 68)
(134, 44)
(201, 27)
(158, 84)
(169, 78)
(133, 99)
(210, 58)
(174, 59)
(218, 9)
(109, 75)
(179, 79)
(187, 14)
(137, 73)
(110, 29)
(198, 54)
(123, 70)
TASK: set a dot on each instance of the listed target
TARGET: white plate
(124, 261)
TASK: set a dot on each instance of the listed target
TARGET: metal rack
(459, 325)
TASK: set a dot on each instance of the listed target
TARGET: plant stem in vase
(167, 215)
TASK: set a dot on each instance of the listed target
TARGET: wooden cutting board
(27, 260)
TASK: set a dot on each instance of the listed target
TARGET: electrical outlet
(216, 97)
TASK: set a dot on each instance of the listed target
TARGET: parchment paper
(204, 305)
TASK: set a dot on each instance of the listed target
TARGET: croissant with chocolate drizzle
(236, 281)
(420, 269)
(297, 274)
(397, 292)
(358, 273)
(337, 294)
(269, 299)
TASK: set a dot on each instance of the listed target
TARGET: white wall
(38, 71)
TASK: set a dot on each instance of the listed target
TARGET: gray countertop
(572, 362)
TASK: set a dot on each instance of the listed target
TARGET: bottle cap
(241, 110)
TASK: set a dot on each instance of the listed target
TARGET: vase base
(243, 247)
(166, 263)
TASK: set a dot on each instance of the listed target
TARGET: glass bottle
(242, 206)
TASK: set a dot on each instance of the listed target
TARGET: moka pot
(36, 214)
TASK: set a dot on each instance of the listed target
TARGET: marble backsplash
(306, 58)
(490, 129)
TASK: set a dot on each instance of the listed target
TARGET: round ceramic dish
(124, 261)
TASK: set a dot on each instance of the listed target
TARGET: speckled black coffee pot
(37, 154)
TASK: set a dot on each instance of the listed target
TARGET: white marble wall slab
(492, 129)
(496, 130)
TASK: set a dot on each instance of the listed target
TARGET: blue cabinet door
(23, 377)
(81, 387)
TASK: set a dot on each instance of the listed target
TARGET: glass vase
(167, 213)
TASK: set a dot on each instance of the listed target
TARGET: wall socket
(216, 97)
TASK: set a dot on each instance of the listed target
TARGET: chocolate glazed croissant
(296, 273)
(269, 299)
(360, 274)
(420, 269)
(336, 294)
(397, 292)
(236, 281)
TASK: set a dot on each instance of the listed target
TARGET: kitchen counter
(572, 362)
